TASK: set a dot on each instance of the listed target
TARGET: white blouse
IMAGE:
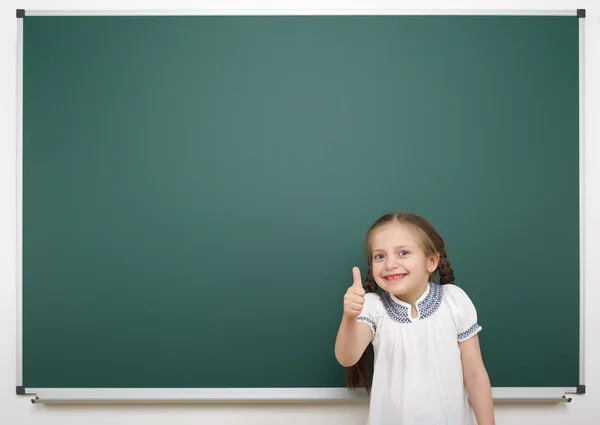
(417, 377)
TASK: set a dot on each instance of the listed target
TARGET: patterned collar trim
(428, 304)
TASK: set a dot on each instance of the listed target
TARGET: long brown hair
(360, 375)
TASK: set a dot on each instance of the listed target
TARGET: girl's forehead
(394, 234)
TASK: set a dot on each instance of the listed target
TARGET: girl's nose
(390, 264)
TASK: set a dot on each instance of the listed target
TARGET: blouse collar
(427, 304)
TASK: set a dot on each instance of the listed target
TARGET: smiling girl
(428, 368)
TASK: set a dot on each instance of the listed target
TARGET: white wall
(20, 411)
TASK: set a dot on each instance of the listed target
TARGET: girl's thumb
(356, 276)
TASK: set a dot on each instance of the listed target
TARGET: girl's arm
(477, 381)
(352, 341)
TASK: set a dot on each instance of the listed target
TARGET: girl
(424, 334)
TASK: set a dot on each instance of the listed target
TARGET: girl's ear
(432, 263)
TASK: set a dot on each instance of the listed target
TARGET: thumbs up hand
(355, 296)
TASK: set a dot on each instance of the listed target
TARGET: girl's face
(399, 264)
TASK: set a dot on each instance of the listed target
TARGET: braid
(444, 270)
(360, 375)
(370, 284)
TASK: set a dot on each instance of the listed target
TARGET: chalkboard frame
(111, 395)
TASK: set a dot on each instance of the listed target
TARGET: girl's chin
(398, 287)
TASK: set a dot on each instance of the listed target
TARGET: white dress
(417, 377)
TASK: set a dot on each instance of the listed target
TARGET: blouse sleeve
(371, 311)
(463, 312)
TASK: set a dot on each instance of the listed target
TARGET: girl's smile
(394, 277)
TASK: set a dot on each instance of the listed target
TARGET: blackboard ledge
(256, 395)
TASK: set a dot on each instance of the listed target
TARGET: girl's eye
(403, 253)
(378, 256)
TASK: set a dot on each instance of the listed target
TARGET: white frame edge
(19, 253)
(246, 12)
(295, 395)
(582, 203)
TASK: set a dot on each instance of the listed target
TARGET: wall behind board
(17, 411)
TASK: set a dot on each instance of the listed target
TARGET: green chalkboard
(196, 189)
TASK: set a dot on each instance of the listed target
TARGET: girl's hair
(361, 374)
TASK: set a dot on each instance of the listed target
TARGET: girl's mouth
(395, 277)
